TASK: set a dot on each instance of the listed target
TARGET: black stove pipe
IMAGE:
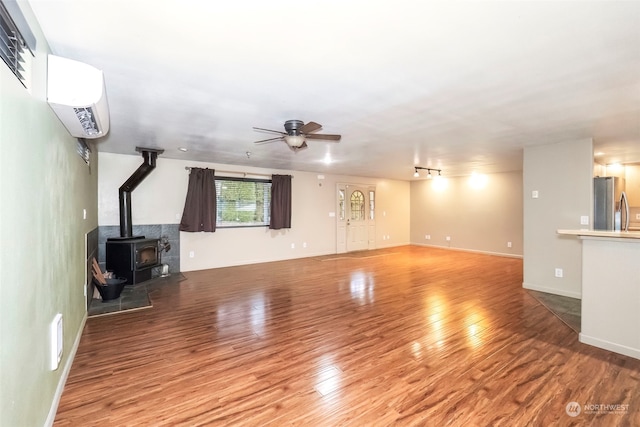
(149, 155)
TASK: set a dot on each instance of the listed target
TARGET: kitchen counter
(602, 233)
(610, 289)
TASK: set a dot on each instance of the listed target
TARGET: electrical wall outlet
(192, 254)
(293, 246)
(584, 220)
(638, 217)
(559, 272)
(534, 194)
(508, 244)
(448, 238)
(427, 236)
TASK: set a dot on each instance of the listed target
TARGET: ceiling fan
(297, 132)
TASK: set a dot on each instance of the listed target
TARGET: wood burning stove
(129, 256)
(132, 258)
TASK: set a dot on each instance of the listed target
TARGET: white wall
(159, 199)
(561, 173)
(479, 213)
(44, 187)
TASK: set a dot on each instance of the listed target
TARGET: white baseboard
(616, 348)
(389, 245)
(476, 251)
(65, 374)
(289, 257)
(553, 291)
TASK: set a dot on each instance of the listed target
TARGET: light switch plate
(534, 194)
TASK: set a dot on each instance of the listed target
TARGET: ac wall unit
(76, 93)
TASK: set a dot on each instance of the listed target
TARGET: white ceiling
(461, 86)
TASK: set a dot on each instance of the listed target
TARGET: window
(357, 206)
(15, 39)
(341, 205)
(372, 205)
(243, 202)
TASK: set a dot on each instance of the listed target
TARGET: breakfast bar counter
(610, 289)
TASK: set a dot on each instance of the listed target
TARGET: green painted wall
(44, 187)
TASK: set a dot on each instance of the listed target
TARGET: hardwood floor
(404, 336)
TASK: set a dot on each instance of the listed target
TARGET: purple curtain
(200, 205)
(280, 202)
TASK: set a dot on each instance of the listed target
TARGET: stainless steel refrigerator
(610, 206)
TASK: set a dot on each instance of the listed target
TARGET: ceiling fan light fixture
(294, 140)
(296, 134)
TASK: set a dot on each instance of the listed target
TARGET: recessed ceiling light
(184, 150)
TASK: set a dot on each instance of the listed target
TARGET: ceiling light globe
(294, 140)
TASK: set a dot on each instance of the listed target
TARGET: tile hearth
(133, 297)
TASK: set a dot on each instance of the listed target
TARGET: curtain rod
(244, 174)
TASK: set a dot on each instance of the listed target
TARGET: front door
(355, 220)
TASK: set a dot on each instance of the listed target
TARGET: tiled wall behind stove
(92, 252)
(153, 231)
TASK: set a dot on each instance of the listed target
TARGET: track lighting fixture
(429, 170)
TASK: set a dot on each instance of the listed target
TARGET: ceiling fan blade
(310, 127)
(269, 130)
(324, 136)
(268, 140)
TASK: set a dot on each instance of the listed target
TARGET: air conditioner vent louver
(89, 125)
(76, 93)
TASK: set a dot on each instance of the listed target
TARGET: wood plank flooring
(412, 336)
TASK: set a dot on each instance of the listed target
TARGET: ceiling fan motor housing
(293, 127)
